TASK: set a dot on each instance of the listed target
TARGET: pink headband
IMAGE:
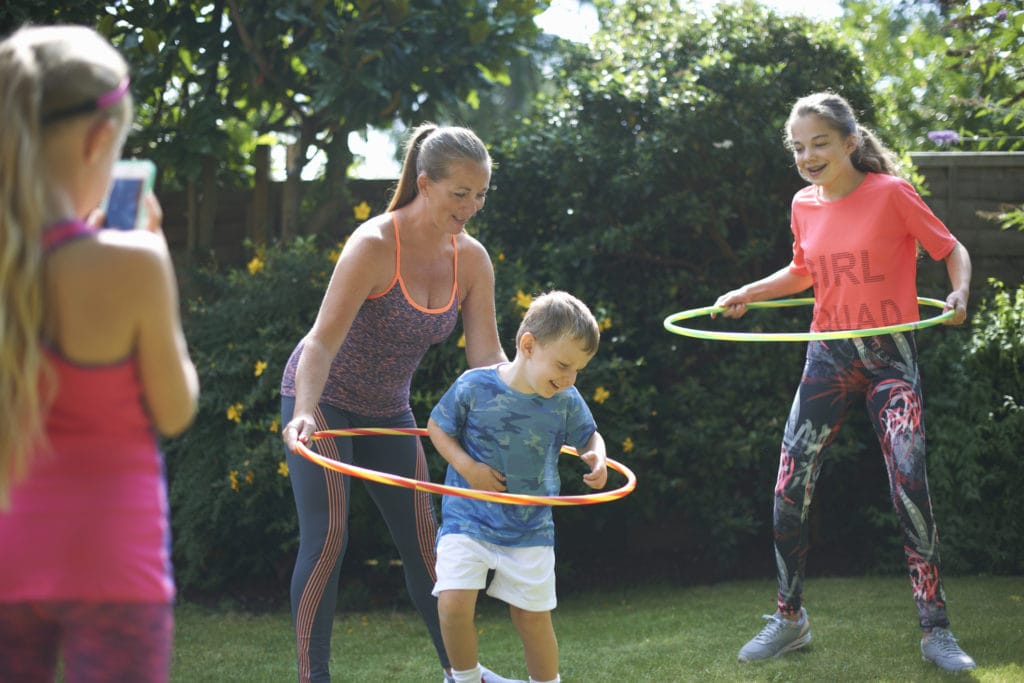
(102, 102)
(109, 98)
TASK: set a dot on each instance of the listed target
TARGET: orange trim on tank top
(401, 283)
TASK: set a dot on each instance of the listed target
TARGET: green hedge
(655, 181)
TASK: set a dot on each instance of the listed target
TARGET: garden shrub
(975, 436)
(653, 183)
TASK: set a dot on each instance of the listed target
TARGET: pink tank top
(372, 371)
(90, 522)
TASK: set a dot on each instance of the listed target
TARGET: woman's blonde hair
(433, 150)
(48, 75)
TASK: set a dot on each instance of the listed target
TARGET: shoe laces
(771, 629)
(945, 642)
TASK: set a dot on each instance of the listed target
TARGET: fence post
(260, 216)
(207, 202)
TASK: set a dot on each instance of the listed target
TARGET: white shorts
(523, 577)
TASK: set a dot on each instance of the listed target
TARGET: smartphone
(124, 207)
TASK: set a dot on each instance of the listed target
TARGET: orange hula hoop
(442, 489)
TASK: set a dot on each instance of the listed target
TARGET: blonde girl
(93, 364)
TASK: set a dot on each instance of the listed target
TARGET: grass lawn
(864, 629)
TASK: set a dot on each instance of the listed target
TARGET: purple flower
(1001, 15)
(944, 137)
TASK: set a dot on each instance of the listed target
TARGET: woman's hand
(299, 429)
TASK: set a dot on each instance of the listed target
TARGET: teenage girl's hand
(300, 428)
(956, 302)
(483, 478)
(598, 475)
(735, 303)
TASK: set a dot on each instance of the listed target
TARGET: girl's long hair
(871, 156)
(433, 149)
(41, 70)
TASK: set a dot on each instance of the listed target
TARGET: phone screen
(123, 203)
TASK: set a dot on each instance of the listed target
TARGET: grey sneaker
(777, 638)
(942, 650)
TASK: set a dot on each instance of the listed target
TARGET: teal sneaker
(941, 649)
(777, 638)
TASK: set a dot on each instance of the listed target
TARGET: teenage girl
(93, 363)
(856, 229)
(398, 287)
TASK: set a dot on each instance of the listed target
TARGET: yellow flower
(601, 394)
(361, 211)
(282, 468)
(523, 300)
(255, 266)
(233, 477)
(605, 323)
(259, 368)
(462, 341)
(273, 426)
(501, 256)
(235, 412)
(627, 445)
(250, 477)
(335, 254)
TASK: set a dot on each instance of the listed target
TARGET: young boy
(501, 429)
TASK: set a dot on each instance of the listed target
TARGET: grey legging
(322, 502)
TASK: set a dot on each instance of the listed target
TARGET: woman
(397, 289)
(856, 228)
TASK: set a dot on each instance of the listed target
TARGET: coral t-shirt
(861, 252)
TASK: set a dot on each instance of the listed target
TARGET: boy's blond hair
(555, 314)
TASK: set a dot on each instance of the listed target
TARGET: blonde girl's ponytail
(22, 364)
(46, 74)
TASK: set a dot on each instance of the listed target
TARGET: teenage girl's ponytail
(22, 196)
(871, 156)
(406, 190)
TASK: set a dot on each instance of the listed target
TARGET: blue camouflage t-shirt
(519, 435)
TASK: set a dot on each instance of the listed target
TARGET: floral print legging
(883, 372)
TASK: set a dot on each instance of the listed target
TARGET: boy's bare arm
(479, 475)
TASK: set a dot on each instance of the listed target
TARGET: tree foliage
(213, 78)
(951, 66)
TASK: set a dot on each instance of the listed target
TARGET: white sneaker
(487, 676)
(777, 638)
(491, 677)
(941, 649)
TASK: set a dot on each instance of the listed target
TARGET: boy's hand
(484, 478)
(598, 475)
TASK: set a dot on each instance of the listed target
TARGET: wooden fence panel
(966, 190)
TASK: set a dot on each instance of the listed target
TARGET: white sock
(556, 679)
(469, 675)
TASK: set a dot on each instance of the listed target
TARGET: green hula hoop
(671, 326)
